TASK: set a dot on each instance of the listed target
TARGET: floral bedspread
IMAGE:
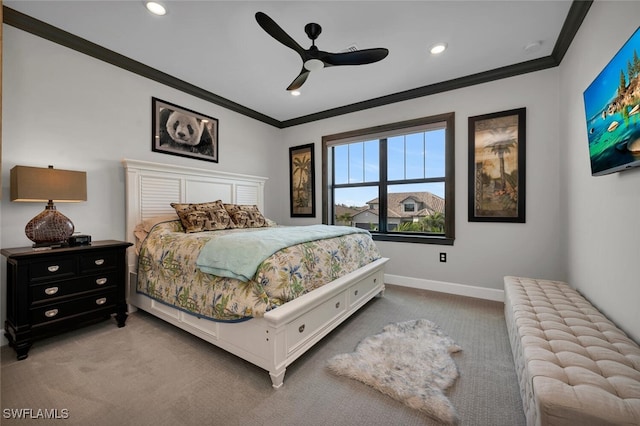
(167, 272)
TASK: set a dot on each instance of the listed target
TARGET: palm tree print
(501, 148)
(497, 143)
(301, 170)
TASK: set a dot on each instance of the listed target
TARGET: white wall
(601, 230)
(74, 112)
(483, 252)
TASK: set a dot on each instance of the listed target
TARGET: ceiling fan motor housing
(313, 30)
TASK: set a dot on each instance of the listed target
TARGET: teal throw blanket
(239, 255)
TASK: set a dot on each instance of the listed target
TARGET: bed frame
(283, 334)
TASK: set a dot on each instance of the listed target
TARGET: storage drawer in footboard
(309, 325)
(362, 291)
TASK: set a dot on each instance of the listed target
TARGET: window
(396, 180)
(409, 207)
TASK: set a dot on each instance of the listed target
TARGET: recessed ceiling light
(295, 93)
(438, 48)
(156, 8)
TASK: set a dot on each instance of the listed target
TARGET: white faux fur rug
(409, 361)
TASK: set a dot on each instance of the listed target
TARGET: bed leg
(277, 379)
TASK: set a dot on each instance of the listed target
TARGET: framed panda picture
(180, 131)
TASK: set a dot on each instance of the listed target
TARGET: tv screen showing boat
(612, 107)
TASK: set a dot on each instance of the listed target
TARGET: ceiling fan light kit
(314, 59)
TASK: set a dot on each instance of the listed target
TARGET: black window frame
(378, 132)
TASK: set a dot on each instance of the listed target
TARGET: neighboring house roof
(341, 210)
(426, 204)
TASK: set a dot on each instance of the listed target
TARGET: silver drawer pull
(301, 328)
(99, 262)
(53, 268)
(51, 313)
(101, 301)
(355, 293)
(51, 291)
(101, 281)
(337, 305)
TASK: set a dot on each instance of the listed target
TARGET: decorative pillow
(246, 216)
(203, 216)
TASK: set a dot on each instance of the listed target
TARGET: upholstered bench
(575, 367)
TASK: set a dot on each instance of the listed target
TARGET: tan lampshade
(36, 184)
(43, 184)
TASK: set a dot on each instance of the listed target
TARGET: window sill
(416, 239)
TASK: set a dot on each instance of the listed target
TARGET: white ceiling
(219, 47)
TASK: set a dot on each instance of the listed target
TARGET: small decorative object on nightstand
(49, 291)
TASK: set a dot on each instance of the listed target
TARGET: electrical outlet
(443, 257)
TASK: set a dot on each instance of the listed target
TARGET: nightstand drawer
(54, 289)
(59, 267)
(55, 311)
(100, 261)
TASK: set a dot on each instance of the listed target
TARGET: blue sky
(358, 163)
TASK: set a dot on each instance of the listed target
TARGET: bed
(277, 335)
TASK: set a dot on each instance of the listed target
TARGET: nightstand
(51, 291)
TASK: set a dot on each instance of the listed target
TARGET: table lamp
(35, 184)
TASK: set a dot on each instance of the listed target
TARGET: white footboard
(285, 333)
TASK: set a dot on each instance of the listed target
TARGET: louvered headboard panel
(152, 187)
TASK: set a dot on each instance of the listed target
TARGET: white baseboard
(445, 287)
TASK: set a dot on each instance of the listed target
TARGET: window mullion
(404, 147)
(424, 154)
(382, 187)
(331, 220)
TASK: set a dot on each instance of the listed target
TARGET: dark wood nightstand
(50, 291)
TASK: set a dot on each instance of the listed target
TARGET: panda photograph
(179, 131)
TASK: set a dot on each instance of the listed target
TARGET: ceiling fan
(312, 58)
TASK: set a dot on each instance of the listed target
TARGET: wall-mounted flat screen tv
(612, 107)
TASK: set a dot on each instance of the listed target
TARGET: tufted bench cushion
(575, 367)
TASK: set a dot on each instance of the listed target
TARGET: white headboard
(152, 187)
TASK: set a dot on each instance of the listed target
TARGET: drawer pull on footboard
(51, 313)
(51, 291)
(99, 262)
(301, 328)
(101, 281)
(101, 301)
(53, 268)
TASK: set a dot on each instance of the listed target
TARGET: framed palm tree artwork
(497, 167)
(302, 181)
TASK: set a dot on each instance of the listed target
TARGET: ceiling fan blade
(359, 57)
(299, 80)
(274, 30)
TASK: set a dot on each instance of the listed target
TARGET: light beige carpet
(150, 373)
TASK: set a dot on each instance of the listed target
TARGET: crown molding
(572, 23)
